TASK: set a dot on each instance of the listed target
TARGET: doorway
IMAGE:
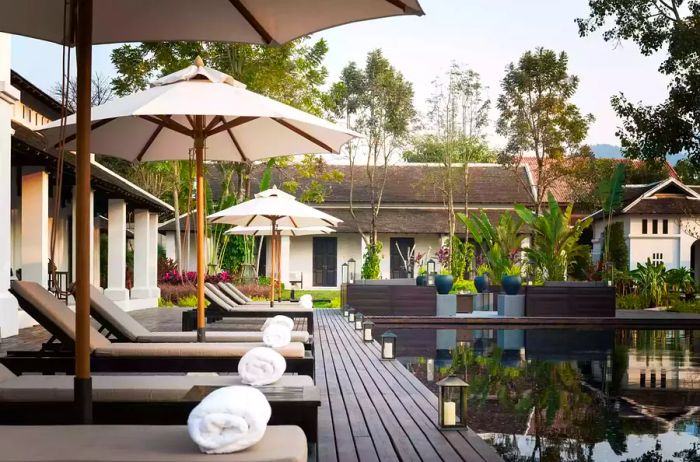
(325, 261)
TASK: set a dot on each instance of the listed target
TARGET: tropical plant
(615, 247)
(500, 244)
(371, 261)
(513, 269)
(462, 256)
(651, 282)
(610, 195)
(681, 280)
(555, 239)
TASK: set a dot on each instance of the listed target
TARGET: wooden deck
(374, 410)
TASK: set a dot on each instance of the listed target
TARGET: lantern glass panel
(344, 273)
(388, 345)
(351, 271)
(367, 328)
(358, 321)
(431, 272)
(452, 403)
(351, 315)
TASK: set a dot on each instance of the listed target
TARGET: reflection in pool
(570, 394)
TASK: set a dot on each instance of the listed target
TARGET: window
(665, 227)
(657, 258)
(644, 226)
(655, 227)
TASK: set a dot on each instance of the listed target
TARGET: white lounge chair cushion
(138, 443)
(190, 350)
(125, 388)
(185, 337)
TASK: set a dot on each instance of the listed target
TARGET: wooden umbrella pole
(83, 381)
(279, 266)
(272, 263)
(201, 268)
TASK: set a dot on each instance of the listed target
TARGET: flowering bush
(443, 256)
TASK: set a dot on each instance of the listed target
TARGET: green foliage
(463, 285)
(651, 282)
(499, 244)
(461, 257)
(537, 115)
(615, 246)
(630, 302)
(431, 149)
(656, 26)
(164, 303)
(681, 280)
(189, 301)
(680, 306)
(371, 261)
(688, 172)
(555, 240)
(610, 190)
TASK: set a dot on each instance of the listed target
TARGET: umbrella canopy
(247, 21)
(238, 125)
(282, 230)
(273, 206)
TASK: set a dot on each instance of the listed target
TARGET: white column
(96, 256)
(153, 260)
(8, 96)
(142, 245)
(116, 251)
(35, 227)
(284, 260)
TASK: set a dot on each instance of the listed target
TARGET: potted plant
(511, 280)
(481, 281)
(422, 277)
(444, 281)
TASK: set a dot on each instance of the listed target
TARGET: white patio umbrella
(209, 110)
(273, 208)
(281, 230)
(70, 22)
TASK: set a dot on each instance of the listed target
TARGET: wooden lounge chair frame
(216, 311)
(58, 357)
(116, 333)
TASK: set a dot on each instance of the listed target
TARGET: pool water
(570, 394)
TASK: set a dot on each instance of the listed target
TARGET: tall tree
(538, 118)
(292, 73)
(673, 26)
(376, 101)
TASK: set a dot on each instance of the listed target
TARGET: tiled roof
(666, 206)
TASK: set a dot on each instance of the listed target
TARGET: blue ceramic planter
(421, 280)
(443, 283)
(481, 283)
(511, 284)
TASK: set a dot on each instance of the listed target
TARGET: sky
(484, 35)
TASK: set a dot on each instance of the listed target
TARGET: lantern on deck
(358, 321)
(452, 403)
(351, 270)
(346, 308)
(367, 327)
(430, 266)
(344, 273)
(389, 345)
(351, 315)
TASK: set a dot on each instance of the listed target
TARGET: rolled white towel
(306, 297)
(229, 419)
(279, 319)
(306, 303)
(276, 335)
(261, 366)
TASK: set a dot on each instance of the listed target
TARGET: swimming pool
(569, 394)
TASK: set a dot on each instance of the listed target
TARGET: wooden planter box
(570, 299)
(377, 299)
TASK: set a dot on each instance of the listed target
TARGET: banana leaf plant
(651, 281)
(610, 195)
(555, 239)
(500, 244)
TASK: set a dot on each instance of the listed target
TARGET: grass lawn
(322, 298)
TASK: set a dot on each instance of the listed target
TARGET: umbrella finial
(198, 61)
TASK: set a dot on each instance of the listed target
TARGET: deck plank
(400, 413)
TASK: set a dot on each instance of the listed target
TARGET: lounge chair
(146, 399)
(143, 443)
(117, 323)
(234, 294)
(59, 320)
(220, 306)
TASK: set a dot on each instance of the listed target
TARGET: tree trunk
(178, 231)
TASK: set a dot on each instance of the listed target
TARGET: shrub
(371, 260)
(651, 280)
(256, 291)
(172, 293)
(685, 307)
(465, 285)
(618, 253)
(164, 303)
(190, 301)
(630, 302)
